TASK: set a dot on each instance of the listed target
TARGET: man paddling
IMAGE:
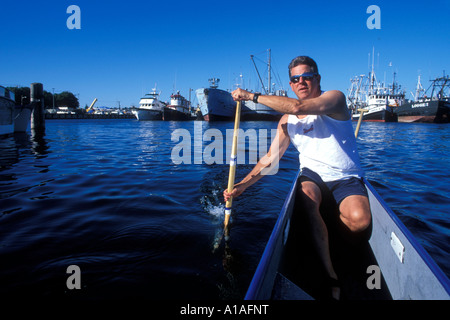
(319, 125)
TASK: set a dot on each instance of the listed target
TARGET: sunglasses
(306, 76)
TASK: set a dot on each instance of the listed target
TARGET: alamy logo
(208, 147)
(374, 280)
(73, 281)
(74, 20)
(374, 21)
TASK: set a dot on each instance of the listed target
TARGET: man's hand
(242, 95)
(237, 191)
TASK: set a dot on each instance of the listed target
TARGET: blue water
(106, 196)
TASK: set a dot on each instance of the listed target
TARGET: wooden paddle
(231, 176)
(359, 121)
(232, 173)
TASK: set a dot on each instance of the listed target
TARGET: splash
(216, 209)
(213, 206)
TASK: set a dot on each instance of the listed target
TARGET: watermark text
(374, 20)
(74, 20)
(208, 147)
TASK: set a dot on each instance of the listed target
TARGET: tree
(48, 100)
(63, 99)
(66, 99)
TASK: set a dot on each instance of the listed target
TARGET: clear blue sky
(124, 48)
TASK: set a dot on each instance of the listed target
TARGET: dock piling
(38, 112)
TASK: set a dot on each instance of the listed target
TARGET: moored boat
(434, 107)
(178, 109)
(290, 270)
(22, 117)
(378, 100)
(380, 107)
(7, 107)
(259, 112)
(150, 107)
(215, 104)
(256, 111)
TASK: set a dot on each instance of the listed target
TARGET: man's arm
(266, 163)
(331, 103)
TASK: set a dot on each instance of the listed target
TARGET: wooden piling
(38, 112)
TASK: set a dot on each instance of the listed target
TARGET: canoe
(390, 265)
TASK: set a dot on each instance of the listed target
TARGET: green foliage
(66, 99)
(63, 99)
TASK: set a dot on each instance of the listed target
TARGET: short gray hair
(303, 60)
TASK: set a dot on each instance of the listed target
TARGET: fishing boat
(428, 107)
(256, 111)
(150, 107)
(7, 109)
(378, 100)
(289, 269)
(215, 104)
(178, 109)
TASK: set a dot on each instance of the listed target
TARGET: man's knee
(310, 194)
(356, 217)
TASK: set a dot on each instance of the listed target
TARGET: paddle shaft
(232, 164)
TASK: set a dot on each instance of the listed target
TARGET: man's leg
(311, 198)
(355, 213)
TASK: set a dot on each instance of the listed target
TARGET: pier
(50, 116)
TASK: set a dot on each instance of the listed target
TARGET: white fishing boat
(377, 99)
(150, 107)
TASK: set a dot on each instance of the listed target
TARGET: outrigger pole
(359, 121)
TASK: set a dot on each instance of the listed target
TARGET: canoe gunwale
(263, 277)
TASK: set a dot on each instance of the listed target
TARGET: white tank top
(327, 146)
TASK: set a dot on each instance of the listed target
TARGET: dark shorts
(339, 189)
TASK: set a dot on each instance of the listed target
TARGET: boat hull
(259, 112)
(22, 118)
(175, 115)
(147, 115)
(216, 104)
(383, 115)
(6, 116)
(425, 110)
(290, 269)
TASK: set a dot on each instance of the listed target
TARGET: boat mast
(259, 76)
(443, 82)
(419, 89)
(270, 79)
(372, 73)
(393, 84)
